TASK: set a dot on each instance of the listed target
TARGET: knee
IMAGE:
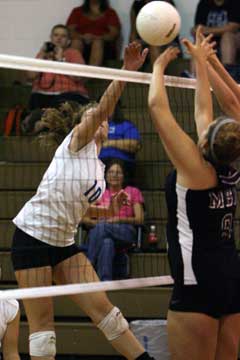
(113, 325)
(42, 344)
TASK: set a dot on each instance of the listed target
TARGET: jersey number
(95, 195)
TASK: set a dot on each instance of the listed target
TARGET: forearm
(111, 35)
(109, 99)
(99, 212)
(203, 98)
(220, 30)
(158, 99)
(123, 144)
(89, 221)
(223, 75)
(130, 220)
(227, 98)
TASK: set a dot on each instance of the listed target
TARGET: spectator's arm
(220, 30)
(89, 222)
(137, 219)
(33, 75)
(129, 145)
(76, 58)
(10, 340)
(114, 32)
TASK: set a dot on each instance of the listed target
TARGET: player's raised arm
(203, 98)
(134, 57)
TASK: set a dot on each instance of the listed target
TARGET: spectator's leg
(105, 260)
(123, 234)
(97, 52)
(228, 46)
(95, 239)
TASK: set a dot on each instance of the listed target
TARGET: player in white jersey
(9, 329)
(43, 248)
(204, 312)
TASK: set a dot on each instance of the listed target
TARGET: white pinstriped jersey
(71, 183)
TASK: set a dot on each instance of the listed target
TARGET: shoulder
(77, 9)
(111, 13)
(10, 309)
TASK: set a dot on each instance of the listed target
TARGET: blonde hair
(57, 123)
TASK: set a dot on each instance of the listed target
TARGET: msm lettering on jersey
(222, 199)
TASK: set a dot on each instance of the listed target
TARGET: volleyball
(158, 23)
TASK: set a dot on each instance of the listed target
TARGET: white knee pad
(113, 325)
(42, 343)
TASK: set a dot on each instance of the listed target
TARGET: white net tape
(29, 64)
(58, 290)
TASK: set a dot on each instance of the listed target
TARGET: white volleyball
(158, 23)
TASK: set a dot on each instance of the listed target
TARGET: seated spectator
(9, 329)
(222, 19)
(123, 142)
(110, 236)
(95, 31)
(50, 90)
(154, 51)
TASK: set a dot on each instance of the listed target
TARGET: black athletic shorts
(215, 299)
(28, 252)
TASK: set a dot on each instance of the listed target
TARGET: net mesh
(24, 162)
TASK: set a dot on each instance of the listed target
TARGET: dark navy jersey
(200, 229)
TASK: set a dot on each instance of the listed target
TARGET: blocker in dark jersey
(202, 252)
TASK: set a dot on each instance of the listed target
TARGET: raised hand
(134, 57)
(167, 56)
(203, 46)
(117, 201)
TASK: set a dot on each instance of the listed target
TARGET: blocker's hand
(170, 54)
(204, 46)
(134, 57)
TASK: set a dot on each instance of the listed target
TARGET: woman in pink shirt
(117, 233)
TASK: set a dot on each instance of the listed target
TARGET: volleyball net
(24, 161)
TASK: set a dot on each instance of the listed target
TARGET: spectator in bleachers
(222, 19)
(123, 142)
(154, 51)
(95, 31)
(115, 235)
(9, 329)
(48, 89)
